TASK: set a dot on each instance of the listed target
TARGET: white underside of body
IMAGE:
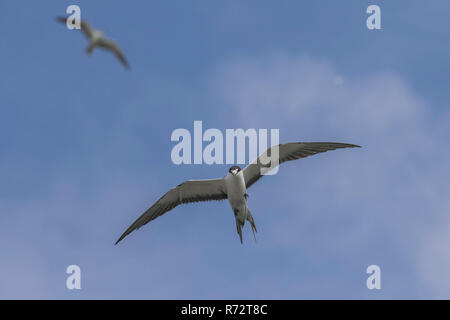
(236, 191)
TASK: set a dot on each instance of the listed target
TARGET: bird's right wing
(286, 152)
(187, 192)
(85, 27)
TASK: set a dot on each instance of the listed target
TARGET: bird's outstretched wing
(85, 27)
(114, 47)
(187, 192)
(287, 152)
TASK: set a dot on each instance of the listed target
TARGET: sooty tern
(233, 186)
(97, 39)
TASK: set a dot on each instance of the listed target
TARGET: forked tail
(252, 223)
(240, 222)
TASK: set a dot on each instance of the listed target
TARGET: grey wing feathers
(187, 192)
(121, 57)
(114, 47)
(87, 29)
(290, 151)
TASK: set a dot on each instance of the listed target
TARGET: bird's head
(234, 170)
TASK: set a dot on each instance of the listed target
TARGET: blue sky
(85, 148)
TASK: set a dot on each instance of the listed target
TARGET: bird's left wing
(187, 192)
(114, 47)
(87, 29)
(286, 152)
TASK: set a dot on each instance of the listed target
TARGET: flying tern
(234, 185)
(97, 39)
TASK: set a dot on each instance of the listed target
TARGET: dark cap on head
(234, 168)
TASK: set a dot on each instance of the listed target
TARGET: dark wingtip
(348, 145)
(61, 19)
(120, 239)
